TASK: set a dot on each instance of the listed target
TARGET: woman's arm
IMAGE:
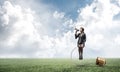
(76, 35)
(84, 38)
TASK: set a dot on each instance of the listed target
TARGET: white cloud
(117, 40)
(58, 15)
(29, 37)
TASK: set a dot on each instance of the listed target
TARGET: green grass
(57, 65)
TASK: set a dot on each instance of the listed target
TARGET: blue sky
(45, 28)
(70, 7)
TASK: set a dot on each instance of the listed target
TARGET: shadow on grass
(86, 65)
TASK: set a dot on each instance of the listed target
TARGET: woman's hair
(82, 29)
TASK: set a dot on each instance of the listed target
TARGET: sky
(45, 28)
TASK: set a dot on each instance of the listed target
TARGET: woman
(81, 41)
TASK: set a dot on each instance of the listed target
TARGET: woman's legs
(80, 50)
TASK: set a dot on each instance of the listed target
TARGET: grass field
(57, 65)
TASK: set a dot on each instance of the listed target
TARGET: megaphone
(76, 29)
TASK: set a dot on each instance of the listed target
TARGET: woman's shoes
(81, 58)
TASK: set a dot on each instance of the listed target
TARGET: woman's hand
(81, 45)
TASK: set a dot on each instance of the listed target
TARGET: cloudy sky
(45, 28)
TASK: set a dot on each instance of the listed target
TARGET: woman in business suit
(81, 41)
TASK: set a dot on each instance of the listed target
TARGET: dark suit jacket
(81, 39)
